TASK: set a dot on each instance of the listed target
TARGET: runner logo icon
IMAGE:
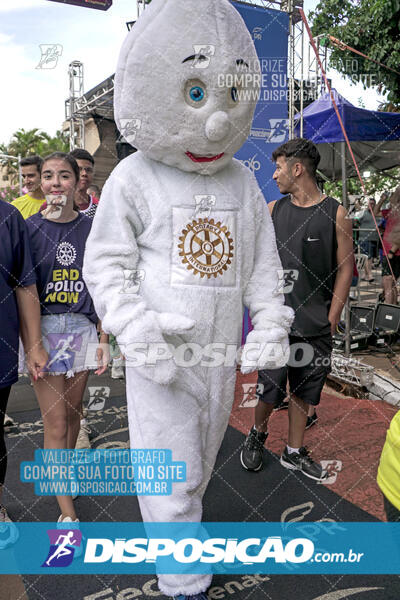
(278, 130)
(63, 543)
(251, 393)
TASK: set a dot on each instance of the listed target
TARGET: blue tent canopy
(374, 135)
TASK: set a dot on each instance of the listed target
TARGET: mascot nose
(217, 126)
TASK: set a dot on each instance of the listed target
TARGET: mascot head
(187, 83)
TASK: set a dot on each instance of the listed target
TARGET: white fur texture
(147, 223)
(133, 230)
(152, 108)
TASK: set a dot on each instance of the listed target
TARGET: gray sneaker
(8, 421)
(302, 461)
(252, 451)
(117, 369)
(83, 441)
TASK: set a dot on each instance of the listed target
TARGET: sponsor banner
(269, 29)
(227, 548)
(103, 472)
(99, 4)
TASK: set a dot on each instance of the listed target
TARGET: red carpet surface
(350, 432)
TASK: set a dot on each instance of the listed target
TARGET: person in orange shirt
(30, 203)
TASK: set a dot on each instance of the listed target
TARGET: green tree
(389, 107)
(27, 143)
(58, 143)
(370, 26)
(386, 181)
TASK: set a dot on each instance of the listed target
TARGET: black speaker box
(387, 318)
(357, 342)
(362, 319)
(361, 329)
(386, 326)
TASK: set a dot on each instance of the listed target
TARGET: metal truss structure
(80, 106)
(301, 60)
(74, 119)
(295, 63)
(141, 5)
(351, 370)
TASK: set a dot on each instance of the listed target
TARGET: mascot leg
(167, 417)
(221, 396)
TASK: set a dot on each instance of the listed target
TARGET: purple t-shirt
(15, 270)
(57, 254)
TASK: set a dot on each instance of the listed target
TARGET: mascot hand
(267, 349)
(174, 324)
(145, 348)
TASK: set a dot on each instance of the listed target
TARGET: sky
(35, 97)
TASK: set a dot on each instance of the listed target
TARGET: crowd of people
(377, 237)
(48, 315)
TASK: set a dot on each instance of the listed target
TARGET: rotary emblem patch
(206, 247)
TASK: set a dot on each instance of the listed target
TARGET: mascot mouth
(201, 159)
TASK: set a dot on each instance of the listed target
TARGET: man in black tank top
(315, 245)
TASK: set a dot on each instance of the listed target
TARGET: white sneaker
(82, 441)
(67, 520)
(8, 421)
(68, 523)
(117, 371)
(8, 531)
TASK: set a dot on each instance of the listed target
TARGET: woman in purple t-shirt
(68, 320)
(19, 313)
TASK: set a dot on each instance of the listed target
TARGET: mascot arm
(111, 273)
(267, 345)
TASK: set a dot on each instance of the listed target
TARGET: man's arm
(345, 261)
(378, 207)
(270, 317)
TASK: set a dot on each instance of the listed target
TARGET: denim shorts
(71, 342)
(369, 247)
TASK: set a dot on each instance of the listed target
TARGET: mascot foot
(201, 596)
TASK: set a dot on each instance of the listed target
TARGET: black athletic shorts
(394, 263)
(306, 371)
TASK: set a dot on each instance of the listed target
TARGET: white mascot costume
(182, 240)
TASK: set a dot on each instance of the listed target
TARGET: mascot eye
(234, 94)
(196, 93)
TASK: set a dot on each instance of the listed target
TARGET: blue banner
(227, 548)
(99, 4)
(269, 29)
